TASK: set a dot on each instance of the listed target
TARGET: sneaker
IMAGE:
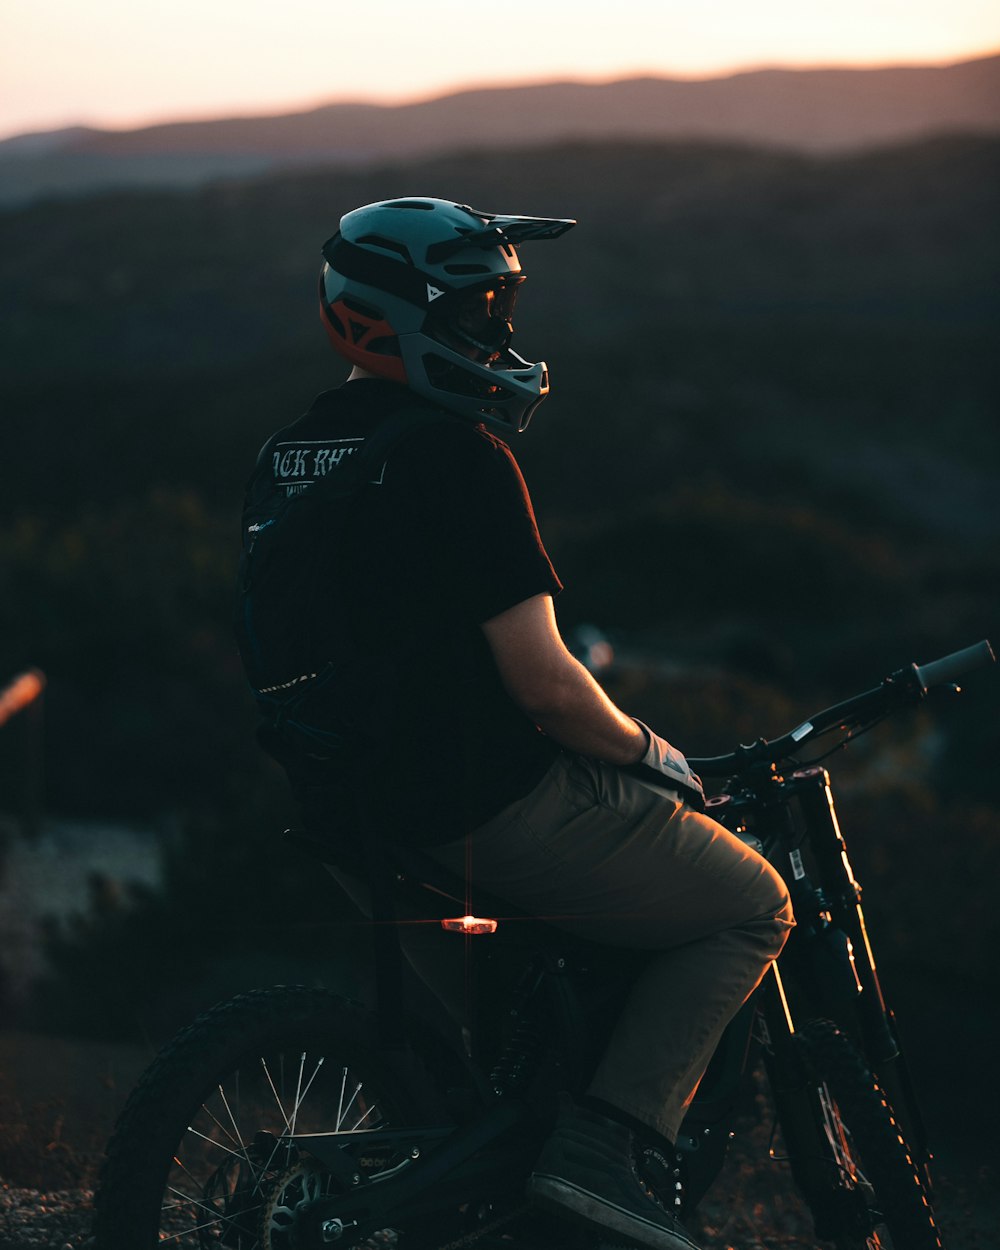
(593, 1170)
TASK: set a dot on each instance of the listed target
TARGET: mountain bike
(291, 1118)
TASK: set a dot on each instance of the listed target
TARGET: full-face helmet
(422, 291)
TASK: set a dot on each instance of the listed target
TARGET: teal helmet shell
(394, 274)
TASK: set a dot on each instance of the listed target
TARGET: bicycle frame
(827, 970)
(828, 962)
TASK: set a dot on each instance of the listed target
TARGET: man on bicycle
(419, 679)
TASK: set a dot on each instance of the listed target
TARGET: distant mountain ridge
(816, 111)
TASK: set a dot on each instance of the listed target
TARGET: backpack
(316, 689)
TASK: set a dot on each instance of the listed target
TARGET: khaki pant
(605, 857)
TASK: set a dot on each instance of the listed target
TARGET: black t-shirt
(442, 539)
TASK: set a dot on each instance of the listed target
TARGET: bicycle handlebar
(907, 685)
(940, 672)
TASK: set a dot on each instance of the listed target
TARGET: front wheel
(869, 1194)
(202, 1156)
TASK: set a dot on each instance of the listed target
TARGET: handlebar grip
(939, 672)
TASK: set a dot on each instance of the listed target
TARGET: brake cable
(844, 742)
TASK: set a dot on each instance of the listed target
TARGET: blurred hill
(820, 110)
(768, 471)
(783, 365)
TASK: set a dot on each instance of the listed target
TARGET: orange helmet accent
(363, 339)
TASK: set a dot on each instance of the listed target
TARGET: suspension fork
(793, 1093)
(843, 896)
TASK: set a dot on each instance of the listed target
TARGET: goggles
(481, 318)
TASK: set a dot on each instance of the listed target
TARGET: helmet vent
(467, 269)
(421, 205)
(387, 245)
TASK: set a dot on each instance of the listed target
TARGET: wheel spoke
(240, 1085)
(195, 1228)
(298, 1087)
(357, 1090)
(218, 1145)
(364, 1117)
(308, 1087)
(219, 1217)
(267, 1073)
(340, 1101)
(239, 1137)
(186, 1172)
(221, 1126)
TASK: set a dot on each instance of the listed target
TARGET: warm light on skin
(112, 62)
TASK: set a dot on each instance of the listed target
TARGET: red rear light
(469, 925)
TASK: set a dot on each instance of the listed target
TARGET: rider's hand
(666, 760)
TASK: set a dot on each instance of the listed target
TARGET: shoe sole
(560, 1197)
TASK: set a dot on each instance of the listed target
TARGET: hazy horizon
(293, 108)
(112, 67)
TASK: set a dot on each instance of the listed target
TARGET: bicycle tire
(184, 1164)
(877, 1199)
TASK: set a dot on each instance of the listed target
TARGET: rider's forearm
(573, 710)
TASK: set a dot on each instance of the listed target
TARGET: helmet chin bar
(503, 396)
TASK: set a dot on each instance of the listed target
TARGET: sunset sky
(122, 63)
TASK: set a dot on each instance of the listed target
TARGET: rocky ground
(748, 1210)
(33, 1220)
(58, 1100)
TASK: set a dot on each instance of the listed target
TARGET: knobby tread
(830, 1057)
(137, 1159)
